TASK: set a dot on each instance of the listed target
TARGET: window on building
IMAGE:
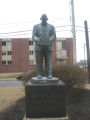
(58, 42)
(32, 62)
(8, 43)
(63, 45)
(3, 43)
(30, 42)
(58, 52)
(3, 52)
(59, 62)
(31, 52)
(3, 62)
(9, 52)
(9, 62)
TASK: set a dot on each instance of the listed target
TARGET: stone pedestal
(45, 98)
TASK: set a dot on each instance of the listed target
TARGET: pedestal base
(45, 99)
(62, 118)
(44, 80)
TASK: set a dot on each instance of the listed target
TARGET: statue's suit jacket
(42, 39)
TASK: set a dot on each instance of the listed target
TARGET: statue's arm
(53, 35)
(34, 35)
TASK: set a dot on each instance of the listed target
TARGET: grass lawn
(9, 75)
(8, 96)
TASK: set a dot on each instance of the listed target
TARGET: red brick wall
(54, 53)
(0, 52)
(24, 54)
(70, 50)
(16, 55)
(31, 67)
(20, 55)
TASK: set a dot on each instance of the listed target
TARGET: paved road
(10, 83)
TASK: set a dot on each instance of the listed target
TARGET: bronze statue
(44, 35)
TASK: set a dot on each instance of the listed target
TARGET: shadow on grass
(14, 112)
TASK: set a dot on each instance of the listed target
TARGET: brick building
(17, 54)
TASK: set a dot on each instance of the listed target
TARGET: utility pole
(73, 32)
(88, 48)
(84, 57)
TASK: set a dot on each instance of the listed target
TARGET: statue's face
(44, 19)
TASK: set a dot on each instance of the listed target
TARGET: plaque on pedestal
(45, 99)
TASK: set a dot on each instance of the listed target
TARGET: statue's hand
(36, 39)
(50, 41)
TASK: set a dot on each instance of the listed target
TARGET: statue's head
(44, 18)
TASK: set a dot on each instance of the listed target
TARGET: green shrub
(73, 76)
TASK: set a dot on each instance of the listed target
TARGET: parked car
(20, 77)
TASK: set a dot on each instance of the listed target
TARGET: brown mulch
(79, 106)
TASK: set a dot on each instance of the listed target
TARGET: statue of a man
(44, 35)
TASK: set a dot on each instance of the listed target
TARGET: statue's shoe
(49, 77)
(39, 76)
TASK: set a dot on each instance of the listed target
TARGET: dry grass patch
(9, 75)
(8, 96)
(87, 86)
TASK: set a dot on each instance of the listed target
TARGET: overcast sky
(21, 15)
